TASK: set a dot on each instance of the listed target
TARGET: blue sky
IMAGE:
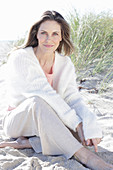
(17, 16)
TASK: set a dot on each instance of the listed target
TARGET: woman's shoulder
(20, 53)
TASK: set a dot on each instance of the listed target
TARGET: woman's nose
(48, 37)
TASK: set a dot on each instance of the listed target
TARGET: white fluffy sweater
(26, 79)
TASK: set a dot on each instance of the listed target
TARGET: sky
(17, 16)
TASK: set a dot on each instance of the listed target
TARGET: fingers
(95, 143)
(98, 140)
(89, 142)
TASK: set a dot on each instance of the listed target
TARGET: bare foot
(91, 160)
(20, 143)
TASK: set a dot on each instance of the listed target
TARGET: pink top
(50, 78)
(50, 75)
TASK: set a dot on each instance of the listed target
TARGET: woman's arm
(73, 98)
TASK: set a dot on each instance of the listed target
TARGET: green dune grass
(92, 35)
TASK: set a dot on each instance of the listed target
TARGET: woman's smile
(48, 46)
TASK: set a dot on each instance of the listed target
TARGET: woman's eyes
(43, 32)
(54, 33)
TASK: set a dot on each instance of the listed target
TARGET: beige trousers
(34, 117)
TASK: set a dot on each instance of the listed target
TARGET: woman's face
(49, 36)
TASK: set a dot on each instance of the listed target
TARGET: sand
(27, 159)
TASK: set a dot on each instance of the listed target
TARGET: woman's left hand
(88, 142)
(95, 142)
(80, 132)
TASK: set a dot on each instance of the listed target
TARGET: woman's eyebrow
(53, 31)
(43, 30)
(56, 31)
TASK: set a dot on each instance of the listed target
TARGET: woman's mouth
(48, 46)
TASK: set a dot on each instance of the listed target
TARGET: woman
(44, 102)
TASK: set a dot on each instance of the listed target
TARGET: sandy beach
(101, 104)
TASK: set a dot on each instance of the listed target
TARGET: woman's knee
(38, 100)
(40, 104)
(9, 131)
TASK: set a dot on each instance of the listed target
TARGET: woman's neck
(44, 58)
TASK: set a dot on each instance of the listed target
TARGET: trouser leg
(22, 121)
(36, 117)
(54, 135)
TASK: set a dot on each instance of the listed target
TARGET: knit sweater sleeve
(27, 80)
(73, 98)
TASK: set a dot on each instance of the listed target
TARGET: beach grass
(92, 36)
